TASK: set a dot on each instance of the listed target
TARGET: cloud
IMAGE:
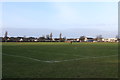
(66, 14)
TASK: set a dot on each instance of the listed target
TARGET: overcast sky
(73, 19)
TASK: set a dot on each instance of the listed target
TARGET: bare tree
(99, 38)
(47, 37)
(43, 36)
(6, 36)
(82, 38)
(60, 35)
(51, 36)
(6, 33)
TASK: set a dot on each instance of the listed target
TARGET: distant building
(56, 39)
(110, 40)
(49, 38)
(77, 39)
(88, 39)
(21, 40)
(73, 39)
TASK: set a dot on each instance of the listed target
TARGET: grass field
(60, 60)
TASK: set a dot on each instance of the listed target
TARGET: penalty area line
(55, 61)
(51, 61)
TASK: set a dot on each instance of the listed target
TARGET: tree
(60, 35)
(6, 33)
(82, 38)
(42, 38)
(6, 36)
(47, 37)
(63, 39)
(99, 38)
(51, 36)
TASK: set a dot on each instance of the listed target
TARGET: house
(21, 40)
(71, 39)
(110, 40)
(77, 39)
(88, 39)
(56, 39)
(31, 39)
(36, 40)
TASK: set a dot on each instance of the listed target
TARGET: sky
(72, 19)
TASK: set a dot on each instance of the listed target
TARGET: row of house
(89, 39)
(30, 39)
(42, 39)
(49, 38)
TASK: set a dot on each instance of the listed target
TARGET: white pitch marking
(51, 61)
(54, 61)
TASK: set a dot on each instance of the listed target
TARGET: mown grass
(17, 67)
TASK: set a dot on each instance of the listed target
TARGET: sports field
(60, 60)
